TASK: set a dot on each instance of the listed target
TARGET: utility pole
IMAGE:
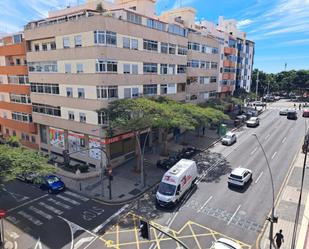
(257, 85)
(285, 65)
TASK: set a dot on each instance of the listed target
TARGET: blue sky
(280, 28)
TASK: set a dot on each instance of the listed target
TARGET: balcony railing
(22, 80)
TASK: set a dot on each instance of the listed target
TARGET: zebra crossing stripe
(68, 200)
(40, 212)
(59, 203)
(30, 218)
(51, 208)
(76, 196)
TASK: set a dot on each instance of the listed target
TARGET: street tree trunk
(164, 138)
(138, 153)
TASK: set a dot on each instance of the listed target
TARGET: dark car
(51, 183)
(168, 163)
(188, 152)
(292, 114)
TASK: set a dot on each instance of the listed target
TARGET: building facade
(15, 103)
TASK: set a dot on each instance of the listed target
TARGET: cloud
(243, 23)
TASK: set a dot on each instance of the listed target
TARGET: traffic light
(66, 157)
(144, 229)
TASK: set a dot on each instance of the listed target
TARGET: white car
(253, 122)
(224, 243)
(284, 111)
(239, 177)
(229, 138)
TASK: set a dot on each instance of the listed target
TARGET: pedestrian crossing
(46, 209)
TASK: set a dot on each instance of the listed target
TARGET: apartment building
(15, 103)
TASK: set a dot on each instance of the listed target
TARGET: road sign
(2, 214)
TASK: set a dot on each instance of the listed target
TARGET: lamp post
(272, 219)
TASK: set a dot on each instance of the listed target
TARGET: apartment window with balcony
(126, 42)
(163, 69)
(171, 48)
(150, 45)
(215, 50)
(44, 88)
(163, 89)
(44, 46)
(67, 68)
(36, 47)
(131, 93)
(175, 29)
(202, 64)
(82, 117)
(23, 117)
(102, 118)
(213, 79)
(111, 38)
(71, 115)
(134, 44)
(150, 68)
(46, 109)
(194, 46)
(48, 66)
(81, 93)
(134, 69)
(106, 66)
(154, 24)
(193, 63)
(99, 37)
(69, 91)
(204, 80)
(168, 88)
(181, 69)
(79, 68)
(78, 41)
(182, 50)
(214, 65)
(131, 17)
(126, 68)
(107, 92)
(20, 98)
(53, 45)
(150, 89)
(66, 42)
(105, 37)
(164, 48)
(171, 69)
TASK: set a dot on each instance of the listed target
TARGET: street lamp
(272, 219)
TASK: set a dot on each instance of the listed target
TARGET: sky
(279, 28)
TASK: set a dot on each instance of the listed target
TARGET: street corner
(125, 234)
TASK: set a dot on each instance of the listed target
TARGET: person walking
(279, 238)
(299, 106)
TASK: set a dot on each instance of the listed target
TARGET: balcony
(17, 89)
(16, 107)
(17, 125)
(230, 51)
(226, 89)
(13, 50)
(228, 76)
(13, 70)
(227, 63)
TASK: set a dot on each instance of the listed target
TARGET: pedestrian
(203, 130)
(279, 238)
(299, 106)
(294, 105)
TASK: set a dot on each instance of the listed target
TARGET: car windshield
(235, 176)
(228, 136)
(252, 119)
(52, 179)
(166, 189)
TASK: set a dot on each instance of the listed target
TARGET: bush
(13, 141)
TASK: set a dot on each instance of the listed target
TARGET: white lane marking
(59, 203)
(168, 220)
(82, 241)
(28, 202)
(50, 208)
(76, 195)
(283, 140)
(38, 244)
(259, 177)
(30, 218)
(98, 228)
(267, 137)
(273, 156)
(252, 152)
(173, 219)
(17, 197)
(76, 203)
(234, 215)
(41, 213)
(204, 205)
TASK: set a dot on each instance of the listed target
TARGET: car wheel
(250, 178)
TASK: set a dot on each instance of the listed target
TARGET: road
(213, 210)
(52, 221)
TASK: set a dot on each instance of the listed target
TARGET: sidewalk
(286, 206)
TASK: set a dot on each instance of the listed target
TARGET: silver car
(224, 243)
(253, 122)
(229, 138)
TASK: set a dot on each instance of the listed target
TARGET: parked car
(239, 177)
(188, 152)
(224, 243)
(284, 112)
(292, 114)
(51, 183)
(306, 113)
(229, 138)
(259, 103)
(27, 177)
(253, 122)
(277, 98)
(168, 163)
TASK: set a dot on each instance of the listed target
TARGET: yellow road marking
(117, 234)
(156, 238)
(193, 233)
(178, 246)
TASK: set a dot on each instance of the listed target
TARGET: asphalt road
(213, 210)
(52, 221)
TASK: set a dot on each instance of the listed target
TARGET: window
(53, 45)
(134, 69)
(105, 37)
(102, 118)
(154, 24)
(150, 45)
(66, 42)
(171, 68)
(204, 80)
(181, 69)
(67, 68)
(150, 89)
(126, 42)
(82, 117)
(164, 48)
(20, 98)
(163, 89)
(17, 61)
(182, 50)
(106, 66)
(111, 38)
(193, 63)
(207, 65)
(107, 92)
(175, 29)
(44, 46)
(131, 92)
(131, 17)
(33, 139)
(126, 68)
(81, 93)
(7, 131)
(14, 133)
(44, 88)
(163, 69)
(214, 65)
(194, 46)
(99, 37)
(71, 115)
(22, 117)
(69, 92)
(36, 47)
(78, 40)
(48, 66)
(213, 79)
(79, 68)
(215, 50)
(172, 48)
(17, 38)
(150, 68)
(134, 44)
(168, 88)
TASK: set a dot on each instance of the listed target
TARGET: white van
(176, 181)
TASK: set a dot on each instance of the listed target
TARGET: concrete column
(66, 140)
(48, 139)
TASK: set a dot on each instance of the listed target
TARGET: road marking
(59, 203)
(50, 208)
(283, 140)
(30, 218)
(273, 156)
(252, 152)
(40, 212)
(259, 177)
(26, 203)
(267, 137)
(76, 195)
(234, 215)
(79, 243)
(168, 220)
(204, 205)
(76, 203)
(38, 244)
(98, 228)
